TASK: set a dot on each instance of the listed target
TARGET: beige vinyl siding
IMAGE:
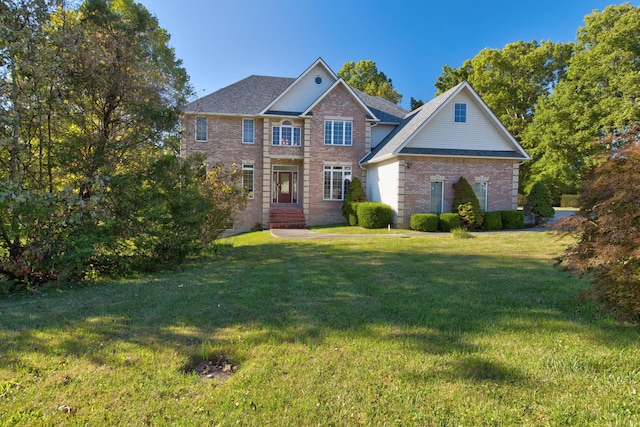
(305, 92)
(480, 132)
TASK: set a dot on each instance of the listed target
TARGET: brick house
(300, 141)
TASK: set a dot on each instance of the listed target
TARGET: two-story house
(300, 142)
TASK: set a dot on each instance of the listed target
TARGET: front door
(284, 187)
(285, 184)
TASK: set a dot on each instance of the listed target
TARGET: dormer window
(460, 113)
(286, 134)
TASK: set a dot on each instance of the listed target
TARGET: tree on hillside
(608, 228)
(364, 75)
(599, 97)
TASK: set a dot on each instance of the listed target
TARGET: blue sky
(221, 42)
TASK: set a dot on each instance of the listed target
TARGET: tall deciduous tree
(600, 96)
(364, 75)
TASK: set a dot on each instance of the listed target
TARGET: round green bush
(448, 221)
(424, 222)
(466, 204)
(374, 215)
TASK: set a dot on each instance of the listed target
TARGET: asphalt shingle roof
(247, 97)
(252, 95)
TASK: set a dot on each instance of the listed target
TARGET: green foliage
(598, 98)
(90, 98)
(461, 233)
(374, 215)
(492, 221)
(448, 221)
(466, 204)
(607, 234)
(364, 75)
(424, 222)
(539, 200)
(570, 201)
(354, 194)
(512, 220)
(512, 79)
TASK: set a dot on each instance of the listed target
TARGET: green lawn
(398, 331)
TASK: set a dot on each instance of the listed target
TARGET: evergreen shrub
(448, 221)
(374, 215)
(539, 199)
(466, 204)
(492, 221)
(354, 194)
(512, 220)
(424, 222)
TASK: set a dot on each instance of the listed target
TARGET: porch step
(287, 218)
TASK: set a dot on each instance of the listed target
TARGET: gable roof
(340, 82)
(255, 95)
(396, 142)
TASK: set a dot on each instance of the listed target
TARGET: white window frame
(199, 130)
(296, 135)
(483, 203)
(345, 176)
(460, 112)
(248, 137)
(335, 128)
(248, 167)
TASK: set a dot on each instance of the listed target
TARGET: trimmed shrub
(374, 215)
(570, 201)
(512, 220)
(354, 194)
(539, 199)
(448, 221)
(466, 204)
(424, 222)
(350, 212)
(492, 221)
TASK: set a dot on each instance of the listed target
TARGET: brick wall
(337, 105)
(224, 145)
(501, 176)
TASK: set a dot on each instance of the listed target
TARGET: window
(247, 180)
(336, 181)
(437, 197)
(480, 188)
(286, 134)
(247, 131)
(460, 113)
(202, 129)
(337, 133)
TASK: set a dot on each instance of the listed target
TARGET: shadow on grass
(407, 291)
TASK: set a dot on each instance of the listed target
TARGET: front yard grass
(425, 330)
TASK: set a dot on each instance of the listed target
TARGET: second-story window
(286, 134)
(338, 132)
(202, 129)
(247, 131)
(460, 113)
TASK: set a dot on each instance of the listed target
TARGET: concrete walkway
(282, 233)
